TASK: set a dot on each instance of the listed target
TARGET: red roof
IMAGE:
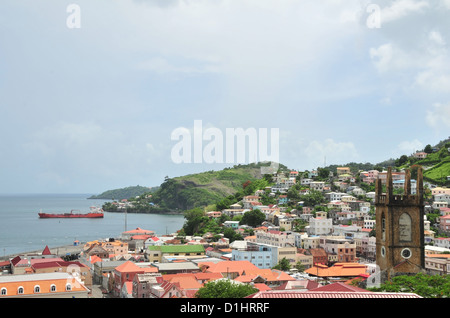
(331, 294)
(339, 287)
(46, 251)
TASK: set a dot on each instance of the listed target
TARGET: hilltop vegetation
(436, 165)
(206, 188)
(123, 193)
(195, 190)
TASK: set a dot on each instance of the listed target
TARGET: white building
(275, 238)
(334, 196)
(443, 197)
(320, 226)
(317, 185)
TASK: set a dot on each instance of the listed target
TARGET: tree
(253, 218)
(428, 149)
(231, 234)
(300, 267)
(283, 265)
(427, 286)
(194, 219)
(313, 198)
(323, 173)
(225, 288)
(401, 161)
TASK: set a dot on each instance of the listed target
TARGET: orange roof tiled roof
(208, 276)
(338, 270)
(185, 282)
(138, 230)
(268, 274)
(129, 267)
(229, 267)
(94, 259)
(262, 287)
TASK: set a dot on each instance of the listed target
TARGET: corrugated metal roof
(312, 294)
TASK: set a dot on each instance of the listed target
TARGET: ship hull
(70, 215)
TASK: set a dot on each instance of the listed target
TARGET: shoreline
(59, 251)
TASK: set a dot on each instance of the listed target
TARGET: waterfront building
(43, 285)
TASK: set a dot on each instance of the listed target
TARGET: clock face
(406, 253)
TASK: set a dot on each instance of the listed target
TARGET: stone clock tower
(399, 228)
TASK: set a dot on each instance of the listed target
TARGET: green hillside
(202, 189)
(436, 166)
(194, 190)
(123, 193)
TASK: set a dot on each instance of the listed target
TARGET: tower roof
(46, 251)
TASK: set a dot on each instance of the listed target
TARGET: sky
(93, 91)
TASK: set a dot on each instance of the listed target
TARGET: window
(37, 289)
(405, 227)
(53, 288)
(4, 291)
(68, 287)
(20, 290)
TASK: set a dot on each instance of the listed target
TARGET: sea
(21, 229)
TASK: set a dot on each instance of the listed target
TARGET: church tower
(399, 228)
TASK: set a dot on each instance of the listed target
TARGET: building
(317, 185)
(344, 250)
(82, 270)
(342, 170)
(437, 264)
(143, 283)
(111, 246)
(320, 226)
(260, 255)
(43, 285)
(335, 291)
(125, 273)
(444, 223)
(137, 231)
(400, 228)
(228, 269)
(159, 253)
(275, 238)
(339, 271)
(440, 190)
(443, 197)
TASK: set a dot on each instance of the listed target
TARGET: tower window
(406, 253)
(404, 224)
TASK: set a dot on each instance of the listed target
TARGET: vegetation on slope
(123, 193)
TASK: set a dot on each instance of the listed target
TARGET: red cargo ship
(95, 213)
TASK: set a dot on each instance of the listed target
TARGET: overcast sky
(90, 94)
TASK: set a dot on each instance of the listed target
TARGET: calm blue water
(21, 229)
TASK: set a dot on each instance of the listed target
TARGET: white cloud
(436, 37)
(439, 116)
(161, 65)
(409, 147)
(331, 151)
(382, 57)
(402, 8)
